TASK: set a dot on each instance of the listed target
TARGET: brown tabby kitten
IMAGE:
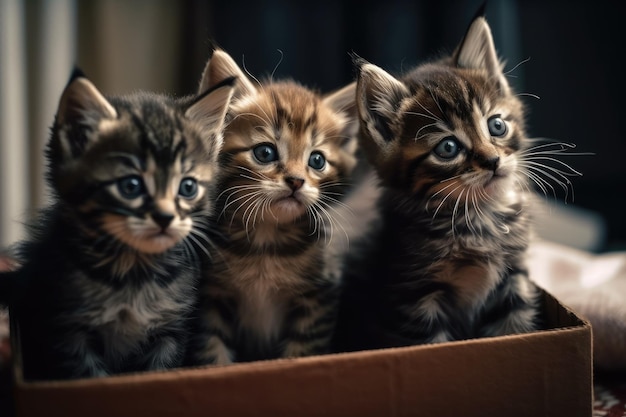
(273, 286)
(108, 277)
(447, 261)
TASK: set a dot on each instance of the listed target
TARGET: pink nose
(294, 182)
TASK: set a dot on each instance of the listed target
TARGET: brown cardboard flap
(546, 373)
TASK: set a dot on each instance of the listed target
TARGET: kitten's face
(454, 134)
(287, 150)
(137, 169)
(446, 131)
(285, 155)
(146, 188)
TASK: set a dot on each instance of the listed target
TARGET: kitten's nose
(294, 182)
(162, 219)
(490, 163)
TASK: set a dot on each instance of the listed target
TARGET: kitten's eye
(497, 126)
(448, 148)
(131, 187)
(317, 161)
(265, 153)
(188, 188)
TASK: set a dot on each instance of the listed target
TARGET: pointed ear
(81, 105)
(221, 66)
(209, 109)
(477, 51)
(82, 100)
(378, 98)
(343, 101)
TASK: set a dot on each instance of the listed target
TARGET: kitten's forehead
(452, 100)
(144, 136)
(283, 111)
(446, 90)
(152, 127)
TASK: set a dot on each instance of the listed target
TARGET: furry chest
(263, 287)
(472, 281)
(262, 314)
(130, 312)
(267, 273)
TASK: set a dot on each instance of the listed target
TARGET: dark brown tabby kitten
(273, 286)
(109, 275)
(447, 261)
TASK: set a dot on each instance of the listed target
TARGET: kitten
(272, 288)
(109, 276)
(447, 260)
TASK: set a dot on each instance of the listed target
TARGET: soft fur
(447, 261)
(109, 274)
(272, 288)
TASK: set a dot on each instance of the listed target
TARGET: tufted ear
(209, 109)
(221, 66)
(343, 101)
(477, 51)
(81, 105)
(81, 99)
(378, 98)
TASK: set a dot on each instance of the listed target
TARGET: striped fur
(272, 288)
(447, 260)
(108, 277)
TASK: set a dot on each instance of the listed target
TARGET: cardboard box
(545, 373)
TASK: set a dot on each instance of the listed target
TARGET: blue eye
(497, 126)
(188, 188)
(317, 160)
(448, 148)
(131, 187)
(265, 153)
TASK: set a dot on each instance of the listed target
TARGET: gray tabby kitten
(109, 275)
(272, 288)
(448, 259)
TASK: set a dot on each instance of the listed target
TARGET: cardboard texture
(545, 373)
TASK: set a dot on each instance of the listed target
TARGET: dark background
(571, 53)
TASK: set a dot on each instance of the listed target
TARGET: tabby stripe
(413, 166)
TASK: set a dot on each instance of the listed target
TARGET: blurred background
(564, 52)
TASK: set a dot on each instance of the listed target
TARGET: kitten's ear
(477, 51)
(81, 105)
(378, 97)
(221, 66)
(343, 101)
(81, 100)
(209, 109)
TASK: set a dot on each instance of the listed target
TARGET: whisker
(454, 210)
(243, 64)
(572, 172)
(444, 200)
(523, 61)
(199, 245)
(277, 65)
(528, 95)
